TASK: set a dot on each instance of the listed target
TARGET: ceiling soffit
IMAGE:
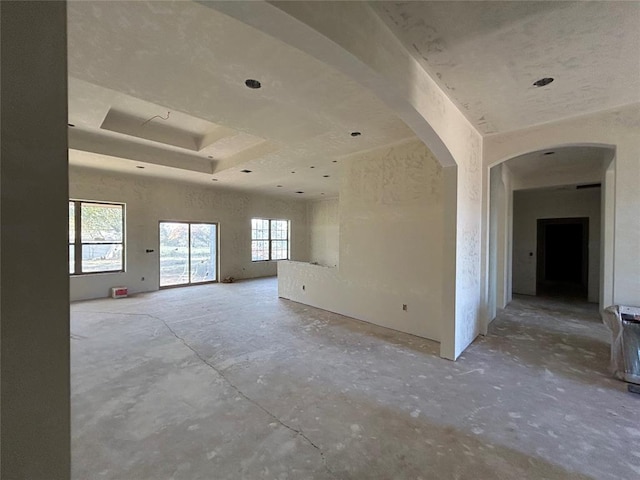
(171, 76)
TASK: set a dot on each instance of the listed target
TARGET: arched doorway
(545, 196)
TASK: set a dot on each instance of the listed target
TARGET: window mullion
(123, 239)
(77, 251)
(270, 240)
(189, 251)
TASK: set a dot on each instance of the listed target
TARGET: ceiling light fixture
(245, 171)
(542, 82)
(251, 83)
(355, 134)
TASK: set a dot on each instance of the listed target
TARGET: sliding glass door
(188, 253)
(203, 251)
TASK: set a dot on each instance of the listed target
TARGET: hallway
(229, 382)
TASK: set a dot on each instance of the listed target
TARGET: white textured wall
(531, 205)
(391, 243)
(607, 208)
(324, 232)
(341, 34)
(468, 261)
(149, 200)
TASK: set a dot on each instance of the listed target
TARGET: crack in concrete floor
(530, 400)
(297, 431)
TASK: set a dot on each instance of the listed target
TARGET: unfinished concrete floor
(230, 382)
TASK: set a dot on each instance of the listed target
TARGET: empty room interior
(317, 239)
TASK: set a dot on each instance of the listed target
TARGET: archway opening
(531, 197)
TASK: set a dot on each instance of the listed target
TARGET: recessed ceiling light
(299, 192)
(542, 82)
(355, 134)
(139, 166)
(251, 83)
(325, 176)
(549, 153)
(245, 171)
(71, 124)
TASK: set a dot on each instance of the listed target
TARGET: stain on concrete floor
(199, 383)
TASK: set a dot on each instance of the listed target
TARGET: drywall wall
(391, 243)
(34, 325)
(500, 232)
(531, 205)
(341, 34)
(324, 232)
(149, 200)
(607, 208)
(505, 251)
(496, 200)
(469, 239)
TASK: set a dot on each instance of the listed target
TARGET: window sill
(109, 272)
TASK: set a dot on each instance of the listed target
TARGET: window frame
(77, 242)
(217, 258)
(270, 240)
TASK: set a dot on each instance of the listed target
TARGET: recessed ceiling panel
(151, 128)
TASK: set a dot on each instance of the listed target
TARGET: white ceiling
(185, 65)
(486, 56)
(161, 85)
(575, 165)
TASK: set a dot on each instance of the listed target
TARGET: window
(96, 237)
(269, 239)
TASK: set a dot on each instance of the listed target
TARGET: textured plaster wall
(468, 261)
(607, 209)
(391, 244)
(618, 128)
(324, 232)
(351, 37)
(505, 241)
(499, 251)
(150, 200)
(531, 205)
(496, 190)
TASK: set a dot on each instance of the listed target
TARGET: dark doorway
(563, 257)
